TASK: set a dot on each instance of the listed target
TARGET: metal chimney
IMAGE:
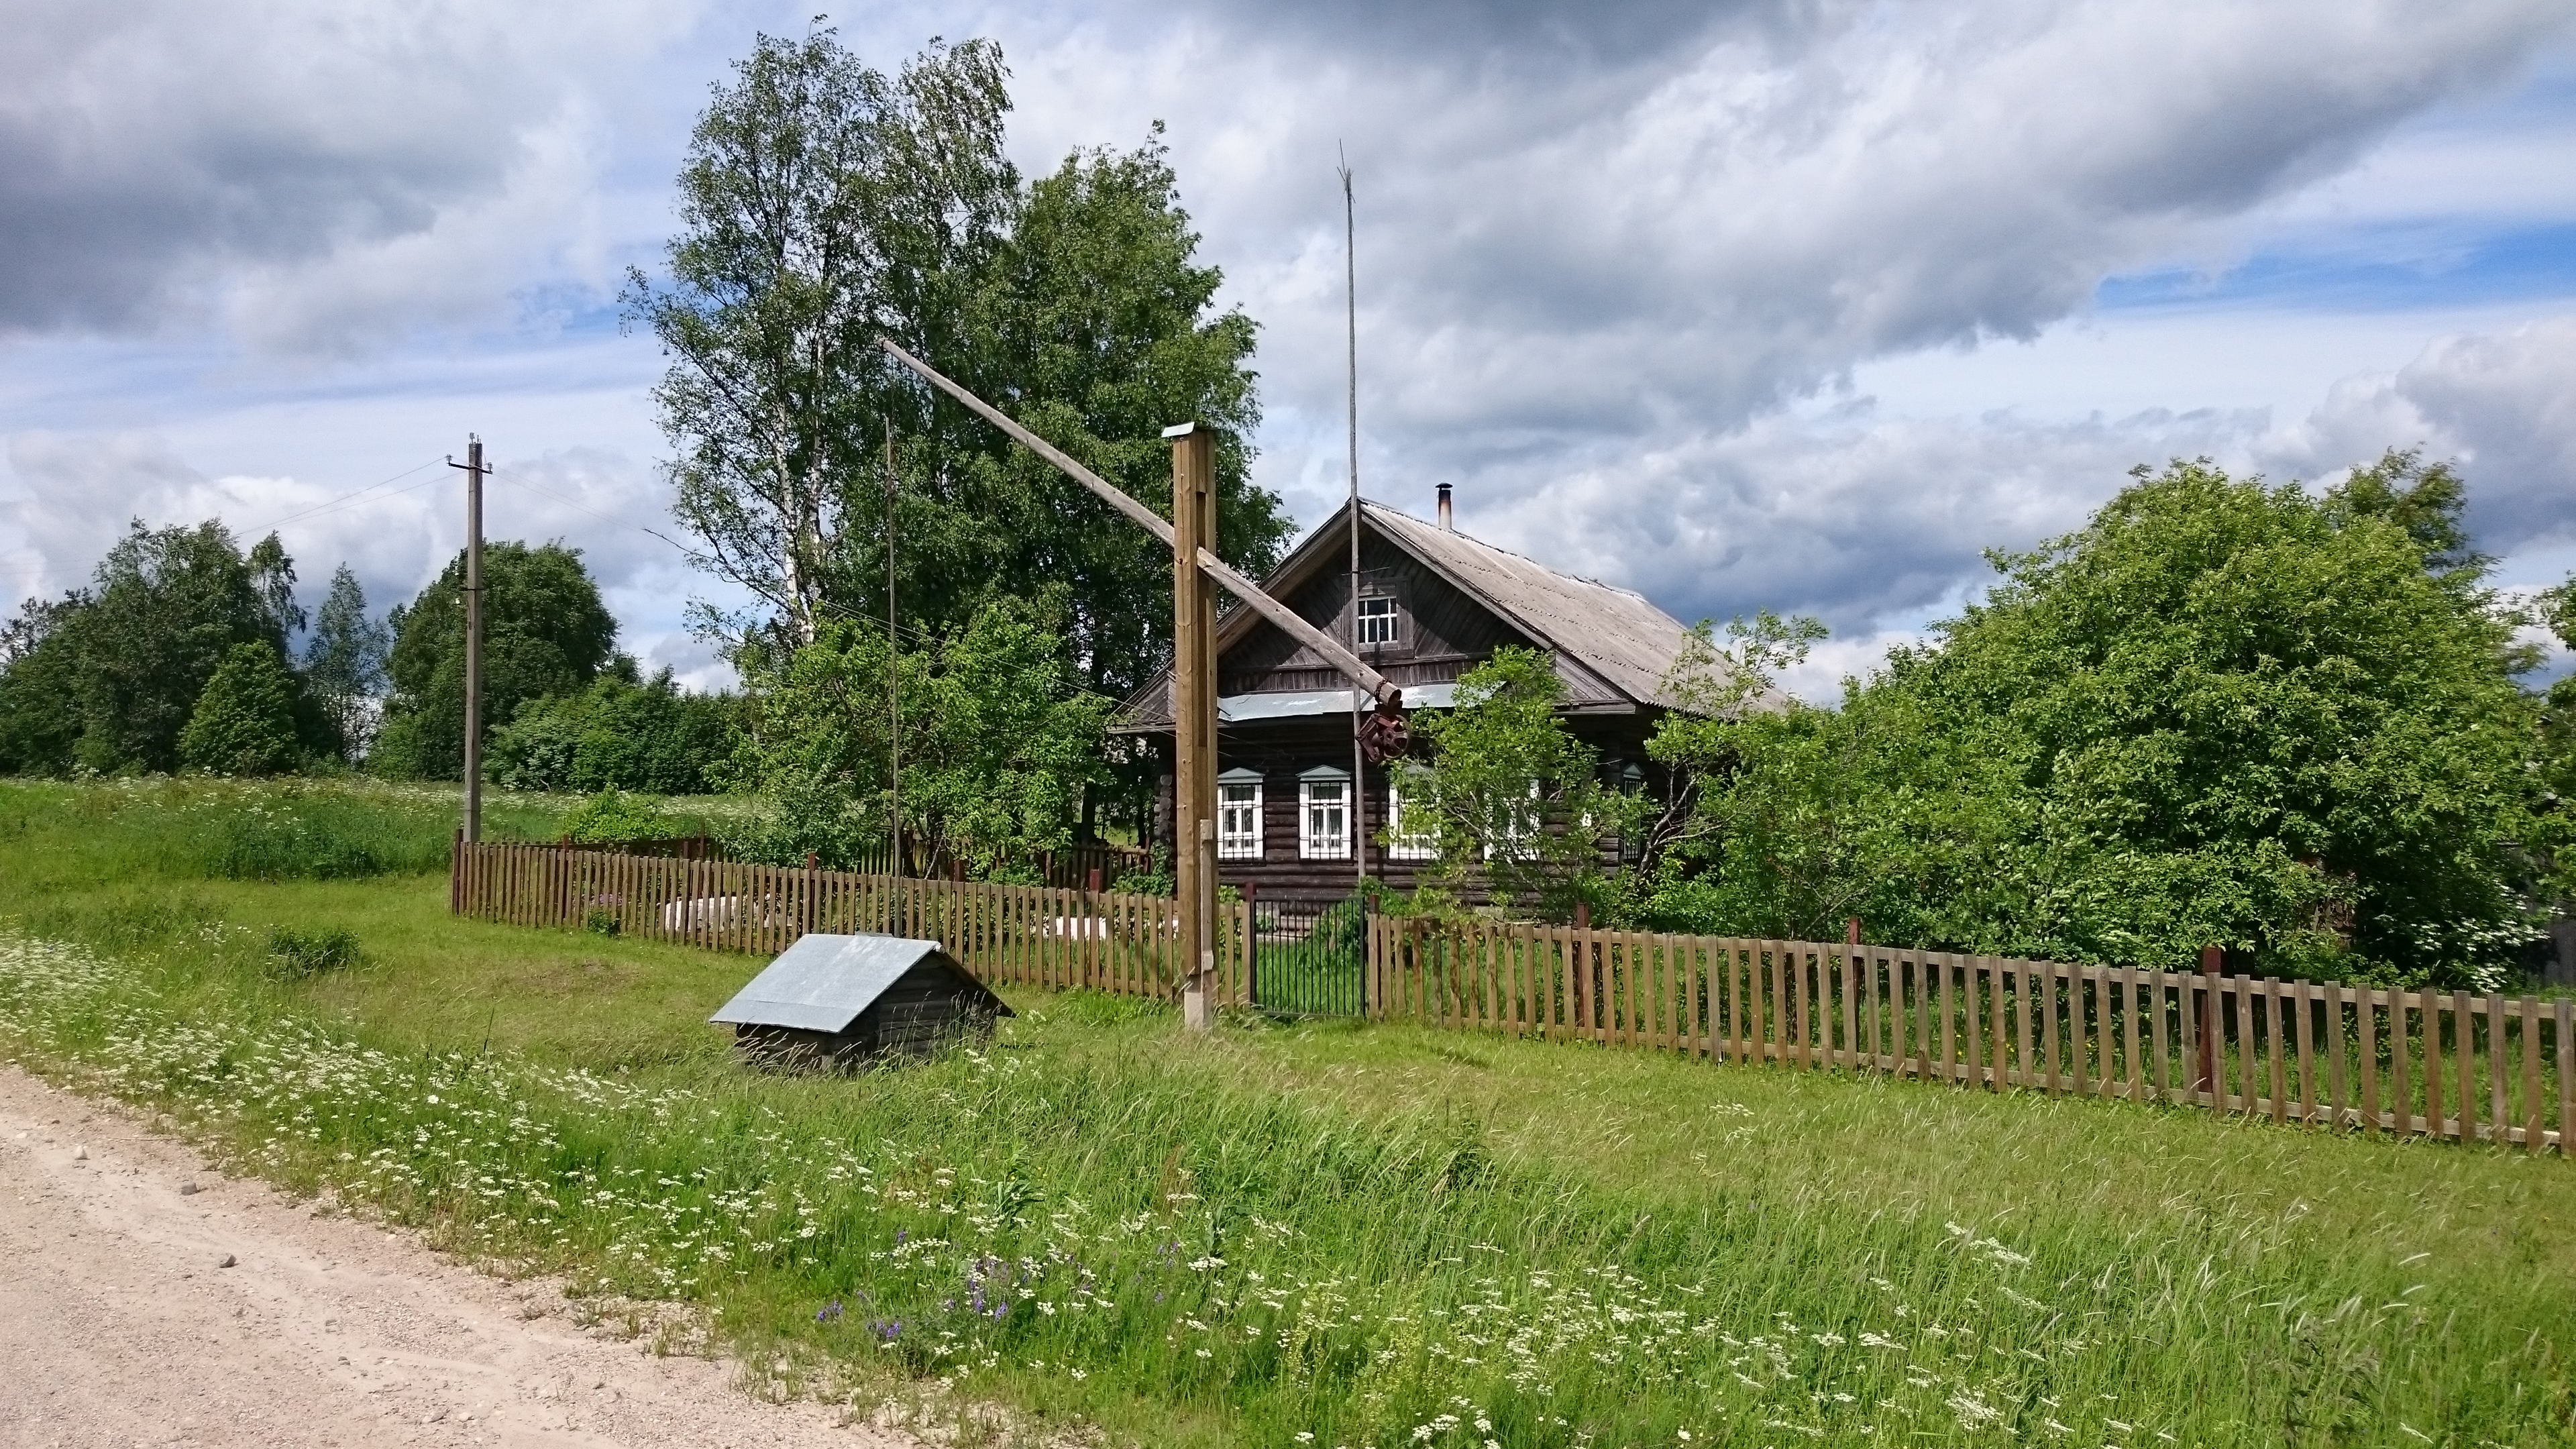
(1446, 526)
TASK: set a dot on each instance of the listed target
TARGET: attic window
(1381, 624)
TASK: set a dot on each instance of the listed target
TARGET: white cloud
(2504, 405)
(161, 158)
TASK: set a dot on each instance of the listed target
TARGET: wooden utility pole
(1194, 712)
(474, 471)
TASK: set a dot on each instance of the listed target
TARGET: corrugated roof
(823, 982)
(1615, 632)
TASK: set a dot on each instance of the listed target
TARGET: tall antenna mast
(1351, 334)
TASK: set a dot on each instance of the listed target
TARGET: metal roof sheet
(823, 982)
(1285, 704)
(1616, 632)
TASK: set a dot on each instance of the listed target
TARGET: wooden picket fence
(2447, 1065)
(1033, 935)
(2430, 1063)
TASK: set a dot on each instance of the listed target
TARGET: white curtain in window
(1238, 821)
(1324, 819)
(1406, 839)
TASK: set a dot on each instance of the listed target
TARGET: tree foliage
(344, 665)
(998, 738)
(1512, 794)
(2224, 712)
(545, 632)
(825, 204)
(618, 735)
(245, 720)
(105, 679)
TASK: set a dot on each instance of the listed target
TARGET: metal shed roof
(823, 982)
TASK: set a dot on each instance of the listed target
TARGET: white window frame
(1232, 809)
(1311, 846)
(1393, 617)
(1402, 844)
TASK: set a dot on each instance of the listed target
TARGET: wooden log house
(1431, 603)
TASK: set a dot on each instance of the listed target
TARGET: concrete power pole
(1194, 713)
(474, 471)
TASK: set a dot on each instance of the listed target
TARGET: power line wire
(330, 503)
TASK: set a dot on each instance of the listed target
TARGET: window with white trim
(1407, 838)
(1381, 623)
(1238, 815)
(1513, 821)
(1324, 815)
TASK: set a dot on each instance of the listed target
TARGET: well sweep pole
(1194, 713)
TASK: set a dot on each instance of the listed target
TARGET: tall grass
(1344, 1235)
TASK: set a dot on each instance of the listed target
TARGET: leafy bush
(309, 953)
(244, 723)
(614, 816)
(615, 735)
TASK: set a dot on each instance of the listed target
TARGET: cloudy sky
(1799, 304)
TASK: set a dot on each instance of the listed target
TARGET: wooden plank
(1803, 1018)
(2534, 1121)
(2051, 976)
(2565, 1041)
(1873, 981)
(2100, 979)
(2500, 1107)
(2159, 1034)
(2401, 1049)
(1980, 983)
(1949, 1018)
(2365, 1020)
(2273, 1050)
(2249, 1059)
(2303, 1027)
(2434, 1116)
(2132, 1068)
(2025, 1033)
(2464, 1013)
(2338, 1100)
(1848, 979)
(1766, 1002)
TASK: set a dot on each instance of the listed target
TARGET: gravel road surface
(120, 1326)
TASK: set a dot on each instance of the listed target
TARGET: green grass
(1371, 1234)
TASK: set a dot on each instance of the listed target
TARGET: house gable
(1457, 599)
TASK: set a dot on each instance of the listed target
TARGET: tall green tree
(545, 631)
(40, 686)
(245, 720)
(825, 204)
(344, 664)
(167, 608)
(2223, 712)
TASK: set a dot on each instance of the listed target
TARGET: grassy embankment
(1367, 1235)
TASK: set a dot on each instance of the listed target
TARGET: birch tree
(822, 204)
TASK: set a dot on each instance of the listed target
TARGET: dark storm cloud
(153, 153)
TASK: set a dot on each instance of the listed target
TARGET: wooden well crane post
(1197, 574)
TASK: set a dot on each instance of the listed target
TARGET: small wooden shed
(845, 999)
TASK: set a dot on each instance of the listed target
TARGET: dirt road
(119, 1326)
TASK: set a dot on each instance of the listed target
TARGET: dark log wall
(1281, 750)
(1446, 632)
